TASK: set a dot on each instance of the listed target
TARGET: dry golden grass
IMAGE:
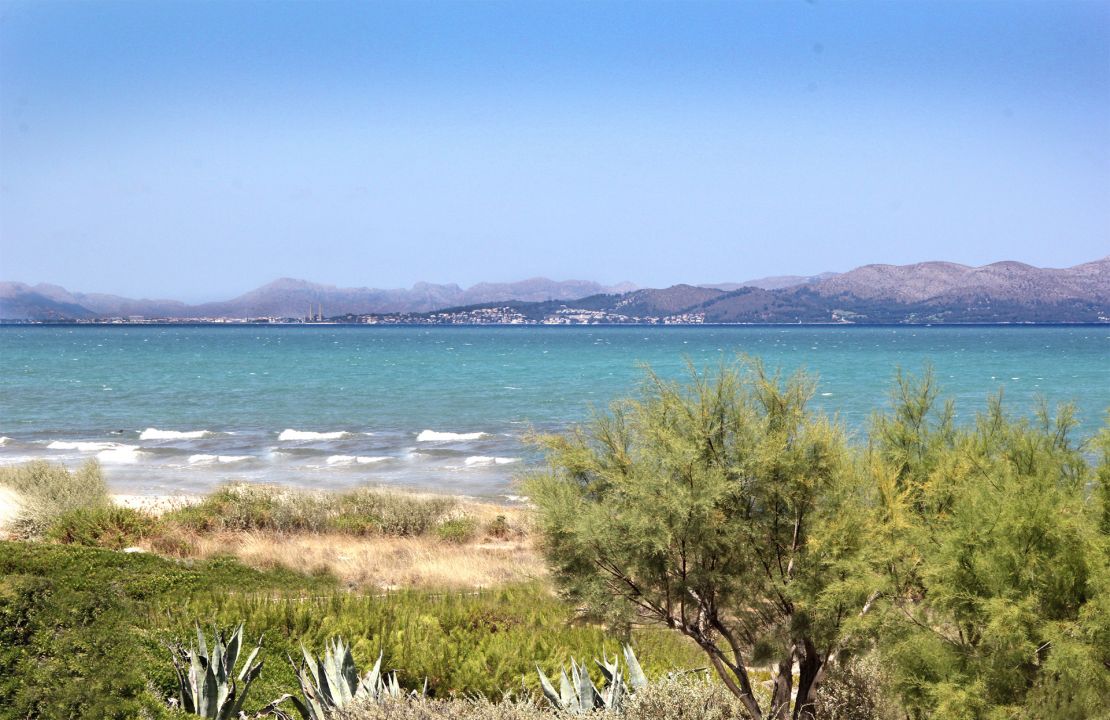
(500, 552)
(382, 562)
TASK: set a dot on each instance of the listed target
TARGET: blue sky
(198, 149)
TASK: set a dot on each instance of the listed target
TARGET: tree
(992, 561)
(722, 508)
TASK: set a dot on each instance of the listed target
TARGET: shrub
(359, 512)
(48, 491)
(499, 528)
(102, 526)
(457, 530)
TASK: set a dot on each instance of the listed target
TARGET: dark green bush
(110, 527)
(457, 530)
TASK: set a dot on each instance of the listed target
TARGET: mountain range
(933, 292)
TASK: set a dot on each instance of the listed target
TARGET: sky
(196, 150)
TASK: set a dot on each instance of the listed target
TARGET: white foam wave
(83, 446)
(487, 460)
(433, 436)
(290, 435)
(156, 434)
(212, 459)
(4, 440)
(355, 459)
(120, 454)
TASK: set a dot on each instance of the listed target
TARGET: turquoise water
(171, 408)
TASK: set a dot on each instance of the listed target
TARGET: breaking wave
(433, 436)
(84, 446)
(355, 459)
(156, 434)
(290, 435)
(212, 459)
(487, 460)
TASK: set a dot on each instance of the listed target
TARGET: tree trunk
(784, 680)
(741, 690)
(809, 672)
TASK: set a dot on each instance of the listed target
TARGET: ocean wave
(291, 435)
(487, 460)
(120, 454)
(156, 434)
(212, 459)
(355, 459)
(89, 446)
(433, 436)
(4, 439)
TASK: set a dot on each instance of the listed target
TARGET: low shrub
(101, 526)
(499, 528)
(48, 491)
(457, 530)
(359, 512)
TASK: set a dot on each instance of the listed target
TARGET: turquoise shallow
(178, 409)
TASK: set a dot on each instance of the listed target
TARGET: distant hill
(777, 282)
(286, 297)
(935, 292)
(931, 292)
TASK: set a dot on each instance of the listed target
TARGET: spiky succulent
(207, 685)
(577, 694)
(332, 683)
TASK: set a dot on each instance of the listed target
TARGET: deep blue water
(357, 399)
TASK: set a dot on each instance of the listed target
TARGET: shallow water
(182, 408)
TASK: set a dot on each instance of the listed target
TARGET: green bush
(103, 526)
(499, 528)
(48, 491)
(359, 512)
(457, 530)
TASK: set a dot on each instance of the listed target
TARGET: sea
(181, 409)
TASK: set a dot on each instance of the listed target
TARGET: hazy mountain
(286, 297)
(19, 301)
(776, 282)
(923, 292)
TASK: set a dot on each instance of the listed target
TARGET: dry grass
(381, 562)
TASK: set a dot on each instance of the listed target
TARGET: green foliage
(694, 505)
(48, 491)
(207, 684)
(106, 526)
(457, 530)
(78, 635)
(82, 630)
(359, 512)
(987, 545)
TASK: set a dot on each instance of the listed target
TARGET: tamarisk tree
(720, 507)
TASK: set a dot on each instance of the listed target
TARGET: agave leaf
(347, 669)
(207, 701)
(588, 697)
(636, 677)
(567, 696)
(234, 645)
(549, 692)
(201, 646)
(250, 659)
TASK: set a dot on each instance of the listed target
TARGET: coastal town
(468, 316)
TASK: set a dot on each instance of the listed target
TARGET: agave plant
(332, 683)
(577, 694)
(206, 685)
